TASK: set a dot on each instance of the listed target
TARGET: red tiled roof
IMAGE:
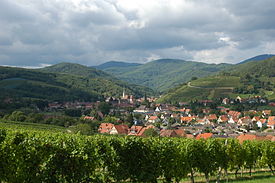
(223, 118)
(271, 121)
(135, 130)
(204, 136)
(89, 118)
(189, 136)
(141, 132)
(180, 132)
(105, 127)
(244, 137)
(168, 133)
(234, 113)
(122, 129)
(267, 112)
(153, 118)
(211, 117)
(256, 118)
(262, 120)
(186, 118)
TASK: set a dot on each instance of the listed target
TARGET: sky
(37, 33)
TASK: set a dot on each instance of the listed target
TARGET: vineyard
(42, 156)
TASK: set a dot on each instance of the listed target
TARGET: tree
(150, 132)
(83, 129)
(16, 116)
(73, 112)
(194, 78)
(104, 108)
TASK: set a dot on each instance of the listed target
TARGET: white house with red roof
(271, 122)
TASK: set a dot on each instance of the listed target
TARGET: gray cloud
(35, 32)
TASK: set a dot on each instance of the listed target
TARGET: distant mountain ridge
(257, 58)
(161, 74)
(115, 64)
(64, 82)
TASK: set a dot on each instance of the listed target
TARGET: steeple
(123, 94)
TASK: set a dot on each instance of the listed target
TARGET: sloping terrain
(163, 74)
(63, 84)
(253, 78)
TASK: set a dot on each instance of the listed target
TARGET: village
(200, 119)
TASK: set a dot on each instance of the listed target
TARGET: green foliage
(43, 156)
(73, 112)
(150, 132)
(165, 73)
(246, 80)
(104, 108)
(63, 82)
(16, 116)
(83, 129)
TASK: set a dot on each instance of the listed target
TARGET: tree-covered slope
(63, 84)
(105, 83)
(112, 64)
(246, 80)
(76, 69)
(164, 73)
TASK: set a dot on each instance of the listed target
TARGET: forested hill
(107, 81)
(76, 69)
(163, 74)
(254, 78)
(85, 85)
(112, 64)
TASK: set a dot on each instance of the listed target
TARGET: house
(225, 101)
(158, 109)
(238, 99)
(223, 119)
(135, 130)
(203, 121)
(105, 127)
(168, 133)
(261, 122)
(119, 129)
(246, 120)
(186, 119)
(204, 136)
(223, 109)
(233, 120)
(187, 111)
(189, 136)
(266, 112)
(153, 119)
(89, 118)
(271, 122)
(141, 132)
(235, 114)
(211, 117)
(175, 115)
(180, 132)
(141, 109)
(256, 118)
(244, 137)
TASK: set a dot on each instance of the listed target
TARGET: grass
(257, 177)
(31, 126)
(217, 81)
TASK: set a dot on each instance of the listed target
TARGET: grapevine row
(37, 156)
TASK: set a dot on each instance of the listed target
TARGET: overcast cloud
(90, 32)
